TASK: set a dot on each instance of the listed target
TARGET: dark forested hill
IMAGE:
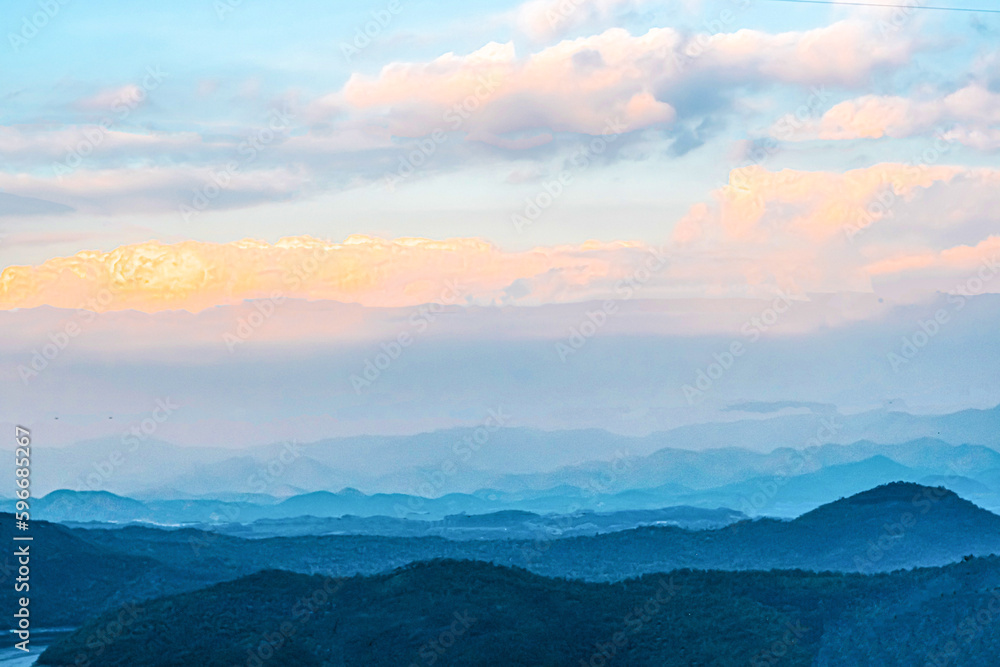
(71, 578)
(474, 614)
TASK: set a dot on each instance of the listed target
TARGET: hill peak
(887, 498)
(71, 493)
(899, 492)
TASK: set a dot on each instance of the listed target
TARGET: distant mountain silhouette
(519, 460)
(379, 514)
(783, 483)
(709, 470)
(808, 489)
(64, 505)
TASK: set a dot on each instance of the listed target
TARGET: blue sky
(227, 66)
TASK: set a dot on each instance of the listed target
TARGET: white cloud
(970, 116)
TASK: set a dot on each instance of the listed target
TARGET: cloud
(91, 145)
(844, 53)
(962, 272)
(111, 97)
(490, 92)
(544, 19)
(757, 204)
(970, 116)
(51, 238)
(578, 85)
(808, 208)
(956, 261)
(14, 205)
(160, 189)
(829, 231)
(153, 276)
(501, 102)
(763, 231)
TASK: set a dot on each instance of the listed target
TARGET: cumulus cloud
(970, 116)
(491, 92)
(845, 53)
(757, 204)
(830, 231)
(577, 85)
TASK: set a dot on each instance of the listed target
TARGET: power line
(878, 4)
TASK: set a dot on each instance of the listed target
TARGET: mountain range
(782, 483)
(900, 525)
(514, 460)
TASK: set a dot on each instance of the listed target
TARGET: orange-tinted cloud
(192, 275)
(970, 115)
(760, 205)
(831, 231)
(964, 258)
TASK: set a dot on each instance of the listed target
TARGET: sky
(363, 169)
